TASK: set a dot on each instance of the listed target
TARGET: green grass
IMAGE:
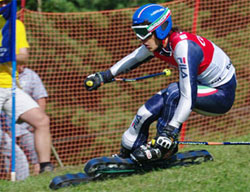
(228, 172)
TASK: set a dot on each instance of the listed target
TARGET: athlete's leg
(171, 97)
(169, 100)
(215, 101)
(209, 101)
(137, 133)
(161, 106)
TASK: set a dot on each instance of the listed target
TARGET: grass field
(228, 172)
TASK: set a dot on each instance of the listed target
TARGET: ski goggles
(141, 31)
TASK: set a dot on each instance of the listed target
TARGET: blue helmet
(158, 17)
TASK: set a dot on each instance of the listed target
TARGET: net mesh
(66, 47)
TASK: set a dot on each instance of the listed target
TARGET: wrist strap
(99, 74)
(106, 76)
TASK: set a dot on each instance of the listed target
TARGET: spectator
(31, 84)
(27, 109)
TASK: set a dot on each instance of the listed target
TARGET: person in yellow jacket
(27, 109)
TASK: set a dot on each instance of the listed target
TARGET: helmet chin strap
(164, 42)
(163, 49)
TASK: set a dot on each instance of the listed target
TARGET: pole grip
(89, 83)
(167, 72)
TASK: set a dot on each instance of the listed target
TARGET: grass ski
(108, 167)
(68, 180)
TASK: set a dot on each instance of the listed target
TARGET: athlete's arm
(188, 55)
(131, 61)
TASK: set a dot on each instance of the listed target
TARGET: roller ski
(109, 167)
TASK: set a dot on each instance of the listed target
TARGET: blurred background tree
(83, 5)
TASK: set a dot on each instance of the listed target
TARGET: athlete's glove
(93, 81)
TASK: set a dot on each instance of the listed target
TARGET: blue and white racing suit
(207, 84)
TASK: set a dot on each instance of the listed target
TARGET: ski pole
(210, 143)
(166, 72)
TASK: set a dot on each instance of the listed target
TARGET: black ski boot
(124, 153)
(145, 154)
(152, 152)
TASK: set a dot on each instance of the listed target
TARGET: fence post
(22, 10)
(196, 14)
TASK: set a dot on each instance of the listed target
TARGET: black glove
(93, 81)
